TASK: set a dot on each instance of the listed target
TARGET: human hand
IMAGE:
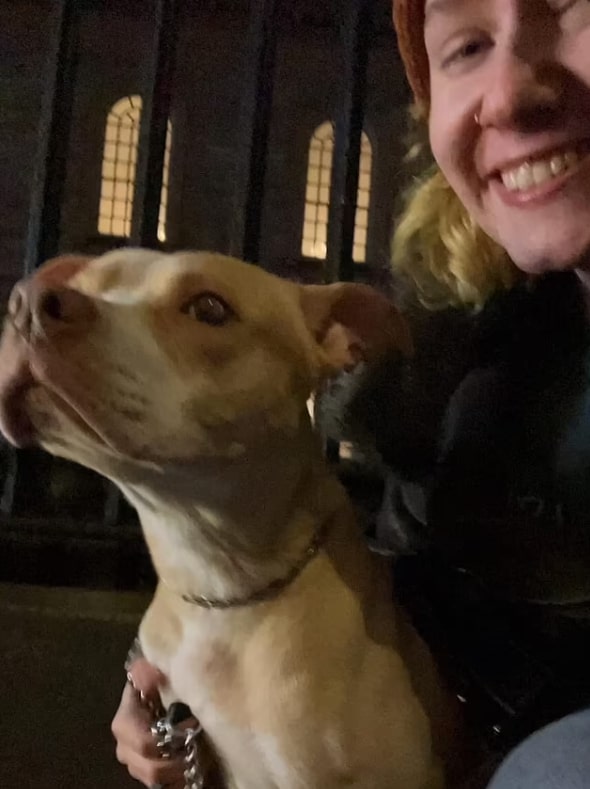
(136, 746)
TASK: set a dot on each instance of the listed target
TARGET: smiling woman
(509, 121)
(503, 88)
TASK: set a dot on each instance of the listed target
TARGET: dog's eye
(208, 308)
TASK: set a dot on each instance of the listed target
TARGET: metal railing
(60, 523)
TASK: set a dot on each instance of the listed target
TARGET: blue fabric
(555, 757)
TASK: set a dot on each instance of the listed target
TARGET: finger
(131, 725)
(147, 679)
(152, 771)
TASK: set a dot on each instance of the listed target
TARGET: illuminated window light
(119, 164)
(317, 195)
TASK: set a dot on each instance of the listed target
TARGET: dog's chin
(41, 416)
(55, 423)
(45, 420)
(62, 429)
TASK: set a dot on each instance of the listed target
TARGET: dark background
(74, 576)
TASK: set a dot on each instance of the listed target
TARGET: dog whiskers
(131, 414)
(124, 372)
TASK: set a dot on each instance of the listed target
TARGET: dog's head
(148, 357)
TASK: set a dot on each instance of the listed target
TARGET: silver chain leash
(193, 773)
(172, 739)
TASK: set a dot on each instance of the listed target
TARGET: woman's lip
(539, 194)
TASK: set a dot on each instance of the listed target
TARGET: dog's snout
(61, 306)
(18, 308)
(33, 304)
(51, 305)
(15, 302)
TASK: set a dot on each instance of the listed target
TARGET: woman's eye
(574, 15)
(467, 50)
(208, 308)
(561, 6)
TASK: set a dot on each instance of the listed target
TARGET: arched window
(363, 201)
(165, 181)
(119, 163)
(317, 195)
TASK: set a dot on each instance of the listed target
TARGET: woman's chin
(552, 235)
(549, 249)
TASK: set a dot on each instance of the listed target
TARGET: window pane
(119, 169)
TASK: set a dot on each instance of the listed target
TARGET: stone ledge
(74, 603)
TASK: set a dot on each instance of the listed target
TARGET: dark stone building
(44, 501)
(113, 46)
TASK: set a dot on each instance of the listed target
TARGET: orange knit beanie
(408, 18)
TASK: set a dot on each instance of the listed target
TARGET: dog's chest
(239, 688)
(284, 703)
(197, 653)
(206, 671)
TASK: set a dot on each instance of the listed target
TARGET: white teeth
(510, 181)
(541, 172)
(534, 173)
(557, 164)
(524, 177)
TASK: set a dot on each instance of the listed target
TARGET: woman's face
(510, 121)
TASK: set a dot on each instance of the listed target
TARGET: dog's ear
(59, 271)
(353, 323)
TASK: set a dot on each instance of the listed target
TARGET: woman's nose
(521, 94)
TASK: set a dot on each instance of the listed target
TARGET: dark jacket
(485, 436)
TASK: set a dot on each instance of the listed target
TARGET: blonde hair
(443, 252)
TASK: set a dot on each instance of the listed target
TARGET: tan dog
(184, 379)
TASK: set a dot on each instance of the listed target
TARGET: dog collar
(272, 589)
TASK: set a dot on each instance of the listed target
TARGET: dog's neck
(224, 527)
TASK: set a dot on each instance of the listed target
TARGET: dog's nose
(34, 305)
